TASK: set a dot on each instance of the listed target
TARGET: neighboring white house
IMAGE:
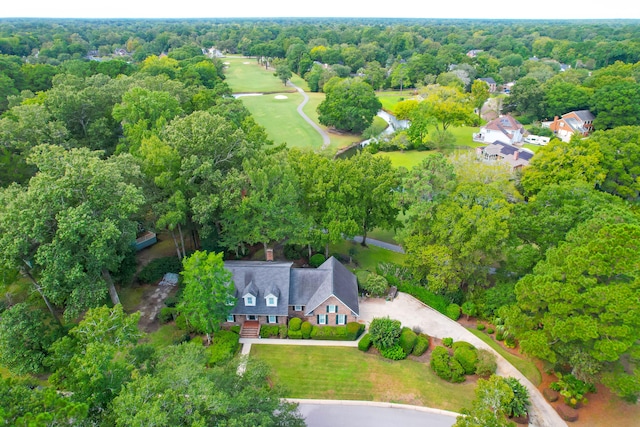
(503, 129)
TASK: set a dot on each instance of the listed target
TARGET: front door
(252, 317)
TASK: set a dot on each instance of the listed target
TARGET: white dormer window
(272, 300)
(249, 300)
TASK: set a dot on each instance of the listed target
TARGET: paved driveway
(365, 414)
(413, 313)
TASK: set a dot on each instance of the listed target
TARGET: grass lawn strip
(349, 374)
(245, 75)
(526, 367)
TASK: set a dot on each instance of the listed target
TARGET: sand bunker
(280, 97)
(246, 63)
(227, 63)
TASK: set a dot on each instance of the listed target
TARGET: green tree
(489, 408)
(349, 105)
(575, 308)
(449, 106)
(93, 361)
(207, 298)
(616, 104)
(283, 72)
(479, 95)
(182, 391)
(73, 224)
(24, 339)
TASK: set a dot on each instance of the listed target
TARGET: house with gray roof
(498, 151)
(574, 123)
(271, 292)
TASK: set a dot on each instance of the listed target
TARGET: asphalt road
(329, 415)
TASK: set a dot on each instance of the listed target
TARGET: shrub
(407, 340)
(486, 364)
(236, 329)
(365, 342)
(445, 366)
(519, 405)
(572, 389)
(293, 251)
(510, 342)
(499, 336)
(462, 344)
(306, 329)
(490, 331)
(282, 332)
(447, 342)
(317, 260)
(468, 358)
(171, 301)
(384, 332)
(182, 324)
(422, 345)
(375, 285)
(354, 330)
(480, 327)
(437, 302)
(157, 268)
(294, 334)
(336, 333)
(295, 323)
(394, 352)
(186, 337)
(223, 347)
(268, 331)
(453, 311)
(166, 314)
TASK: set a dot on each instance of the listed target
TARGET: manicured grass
(245, 75)
(337, 140)
(525, 366)
(389, 99)
(388, 236)
(367, 257)
(281, 120)
(349, 374)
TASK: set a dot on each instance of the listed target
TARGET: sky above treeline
(456, 9)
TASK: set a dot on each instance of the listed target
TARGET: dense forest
(113, 127)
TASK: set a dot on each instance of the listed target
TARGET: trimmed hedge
(365, 343)
(394, 353)
(283, 331)
(295, 323)
(354, 330)
(407, 340)
(437, 302)
(468, 359)
(458, 344)
(294, 334)
(422, 345)
(306, 329)
(486, 364)
(447, 342)
(268, 331)
(224, 346)
(445, 366)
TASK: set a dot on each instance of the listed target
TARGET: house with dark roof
(503, 129)
(498, 151)
(574, 123)
(493, 86)
(271, 292)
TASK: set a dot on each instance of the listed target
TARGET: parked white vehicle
(537, 140)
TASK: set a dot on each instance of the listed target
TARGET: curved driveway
(412, 313)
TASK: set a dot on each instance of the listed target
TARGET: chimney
(554, 126)
(516, 154)
(269, 254)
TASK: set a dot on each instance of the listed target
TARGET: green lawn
(367, 258)
(349, 374)
(245, 75)
(165, 335)
(389, 99)
(281, 120)
(406, 159)
(525, 366)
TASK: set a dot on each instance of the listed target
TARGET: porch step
(250, 329)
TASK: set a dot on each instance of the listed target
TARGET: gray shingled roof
(585, 115)
(339, 282)
(507, 151)
(260, 278)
